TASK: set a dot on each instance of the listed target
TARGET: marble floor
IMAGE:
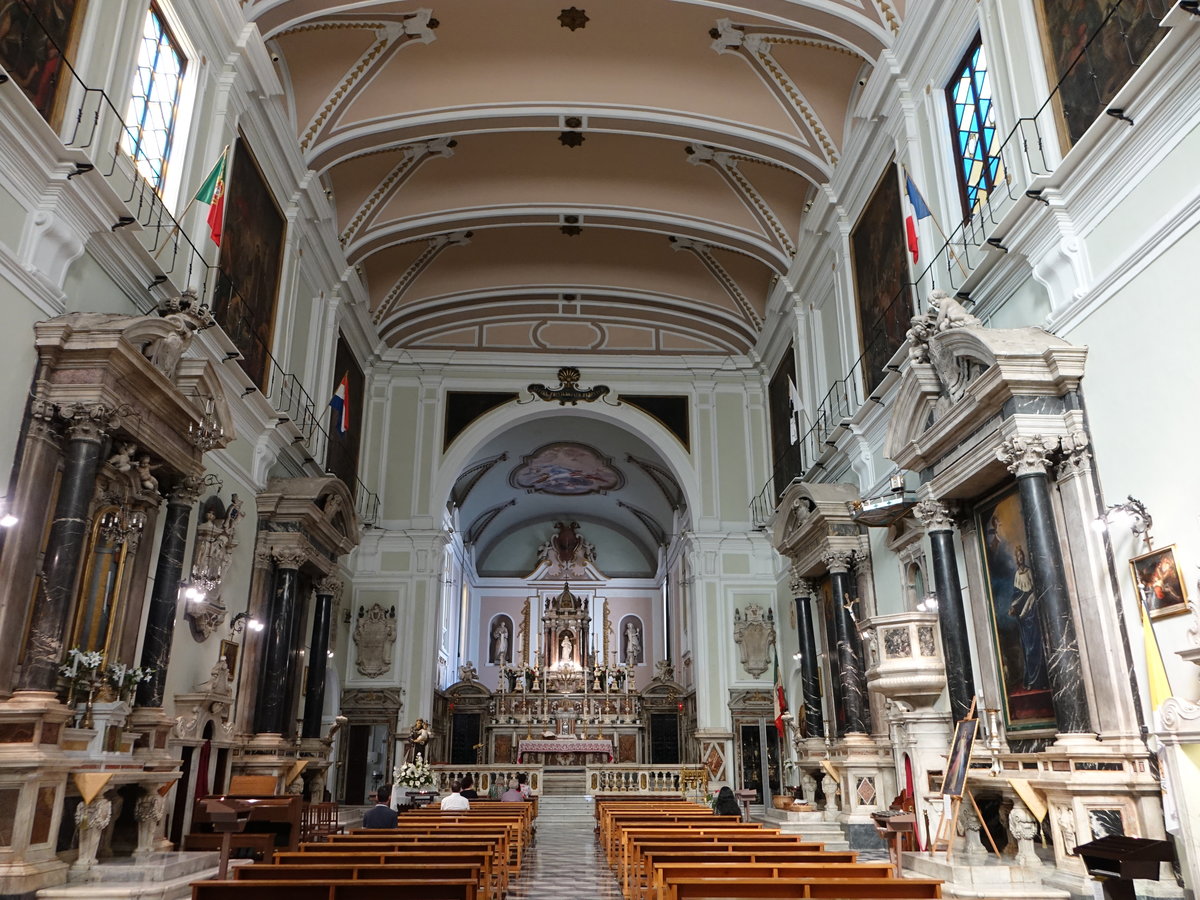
(566, 863)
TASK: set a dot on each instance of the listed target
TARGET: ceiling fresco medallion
(566, 469)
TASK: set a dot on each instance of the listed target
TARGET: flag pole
(179, 218)
(942, 234)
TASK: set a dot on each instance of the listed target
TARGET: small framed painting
(229, 651)
(1158, 582)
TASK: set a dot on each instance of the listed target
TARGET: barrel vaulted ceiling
(614, 176)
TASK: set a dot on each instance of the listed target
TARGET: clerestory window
(973, 128)
(154, 100)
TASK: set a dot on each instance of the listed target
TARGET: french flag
(915, 212)
(340, 404)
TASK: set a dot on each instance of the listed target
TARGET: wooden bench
(261, 843)
(340, 872)
(664, 872)
(699, 888)
(494, 846)
(481, 858)
(629, 873)
(653, 857)
(425, 889)
(629, 859)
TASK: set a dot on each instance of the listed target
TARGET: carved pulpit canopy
(813, 520)
(963, 381)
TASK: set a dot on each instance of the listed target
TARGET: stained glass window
(153, 100)
(973, 124)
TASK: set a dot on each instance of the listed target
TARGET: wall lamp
(929, 603)
(1132, 514)
(242, 621)
(7, 519)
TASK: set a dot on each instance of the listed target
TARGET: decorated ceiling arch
(623, 177)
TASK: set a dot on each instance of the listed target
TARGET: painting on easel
(955, 779)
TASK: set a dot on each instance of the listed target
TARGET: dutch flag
(340, 404)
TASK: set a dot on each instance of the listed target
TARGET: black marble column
(952, 615)
(853, 678)
(1064, 670)
(164, 597)
(270, 713)
(67, 541)
(314, 693)
(810, 678)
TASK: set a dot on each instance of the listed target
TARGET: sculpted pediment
(813, 519)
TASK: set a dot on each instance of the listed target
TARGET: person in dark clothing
(468, 788)
(381, 815)
(726, 804)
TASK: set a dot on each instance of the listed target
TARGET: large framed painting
(877, 247)
(250, 262)
(1089, 75)
(37, 38)
(1156, 576)
(1013, 611)
(954, 782)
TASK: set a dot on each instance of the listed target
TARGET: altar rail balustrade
(640, 779)
(959, 265)
(90, 130)
(486, 776)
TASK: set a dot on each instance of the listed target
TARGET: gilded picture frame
(1159, 584)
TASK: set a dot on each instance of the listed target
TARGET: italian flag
(212, 192)
(781, 706)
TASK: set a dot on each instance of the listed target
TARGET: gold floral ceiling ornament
(568, 390)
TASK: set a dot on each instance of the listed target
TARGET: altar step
(811, 826)
(563, 812)
(158, 876)
(564, 782)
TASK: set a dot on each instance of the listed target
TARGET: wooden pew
(632, 866)
(653, 856)
(259, 843)
(663, 872)
(277, 815)
(386, 872)
(425, 889)
(699, 888)
(496, 845)
(482, 858)
(629, 862)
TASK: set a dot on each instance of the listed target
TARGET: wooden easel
(947, 827)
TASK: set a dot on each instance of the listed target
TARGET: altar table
(564, 747)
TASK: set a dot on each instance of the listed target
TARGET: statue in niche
(754, 633)
(216, 538)
(374, 635)
(566, 648)
(500, 641)
(633, 643)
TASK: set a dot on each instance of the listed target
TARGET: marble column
(853, 686)
(318, 655)
(87, 427)
(270, 715)
(1028, 459)
(164, 597)
(952, 614)
(810, 678)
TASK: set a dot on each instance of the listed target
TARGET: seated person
(381, 815)
(513, 794)
(523, 786)
(726, 804)
(468, 788)
(456, 801)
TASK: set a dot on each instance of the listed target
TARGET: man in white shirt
(456, 801)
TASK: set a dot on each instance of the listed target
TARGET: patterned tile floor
(565, 864)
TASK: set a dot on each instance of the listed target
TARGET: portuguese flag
(212, 192)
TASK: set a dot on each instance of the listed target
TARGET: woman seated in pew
(381, 815)
(513, 794)
(726, 804)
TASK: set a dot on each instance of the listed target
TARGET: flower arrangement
(82, 672)
(414, 774)
(123, 679)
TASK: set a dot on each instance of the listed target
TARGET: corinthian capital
(289, 559)
(1075, 452)
(88, 421)
(838, 560)
(1026, 456)
(188, 489)
(934, 515)
(329, 586)
(801, 587)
